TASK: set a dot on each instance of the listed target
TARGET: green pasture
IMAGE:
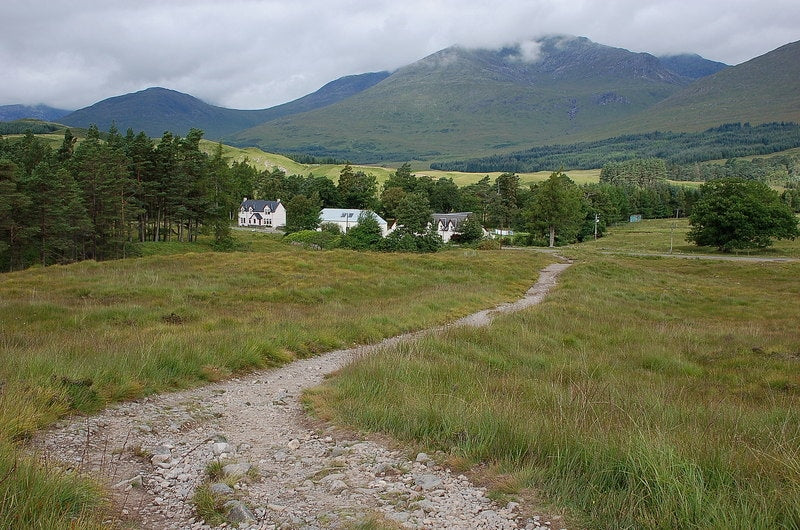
(657, 236)
(78, 337)
(643, 393)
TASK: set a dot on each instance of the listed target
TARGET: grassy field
(643, 393)
(262, 160)
(656, 236)
(78, 337)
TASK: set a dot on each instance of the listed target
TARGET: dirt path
(155, 452)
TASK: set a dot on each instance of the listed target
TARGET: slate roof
(259, 205)
(454, 219)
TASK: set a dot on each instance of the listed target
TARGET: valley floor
(244, 451)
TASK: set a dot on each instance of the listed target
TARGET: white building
(448, 224)
(257, 213)
(347, 218)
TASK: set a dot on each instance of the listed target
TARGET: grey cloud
(255, 54)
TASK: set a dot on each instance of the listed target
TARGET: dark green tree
(477, 197)
(60, 232)
(391, 198)
(366, 235)
(357, 189)
(414, 212)
(556, 208)
(403, 178)
(504, 207)
(734, 214)
(302, 213)
(16, 224)
(470, 230)
(444, 196)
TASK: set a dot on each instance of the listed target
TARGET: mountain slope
(691, 65)
(762, 90)
(36, 112)
(459, 101)
(156, 110)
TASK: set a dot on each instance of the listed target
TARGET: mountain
(37, 112)
(156, 110)
(691, 65)
(761, 90)
(463, 101)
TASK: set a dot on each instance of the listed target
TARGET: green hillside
(460, 102)
(762, 90)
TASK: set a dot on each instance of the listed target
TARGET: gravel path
(155, 452)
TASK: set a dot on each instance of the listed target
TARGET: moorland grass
(655, 235)
(643, 393)
(75, 338)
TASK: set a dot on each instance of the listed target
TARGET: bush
(331, 228)
(489, 244)
(312, 238)
(403, 240)
(366, 235)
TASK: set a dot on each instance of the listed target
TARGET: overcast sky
(256, 54)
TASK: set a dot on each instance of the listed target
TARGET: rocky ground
(247, 446)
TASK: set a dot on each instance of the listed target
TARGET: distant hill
(691, 65)
(461, 101)
(36, 112)
(156, 110)
(761, 90)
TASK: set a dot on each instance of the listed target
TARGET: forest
(733, 140)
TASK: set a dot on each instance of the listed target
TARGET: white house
(257, 213)
(347, 218)
(448, 224)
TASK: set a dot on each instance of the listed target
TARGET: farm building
(347, 218)
(258, 213)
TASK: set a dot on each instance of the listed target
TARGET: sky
(252, 54)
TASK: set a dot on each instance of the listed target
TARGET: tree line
(733, 140)
(97, 198)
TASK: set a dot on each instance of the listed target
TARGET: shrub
(366, 235)
(489, 244)
(324, 240)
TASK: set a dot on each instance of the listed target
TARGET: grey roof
(454, 219)
(259, 205)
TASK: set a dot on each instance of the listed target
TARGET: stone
(160, 458)
(423, 458)
(293, 445)
(220, 488)
(427, 481)
(220, 448)
(400, 517)
(280, 397)
(236, 469)
(131, 482)
(160, 450)
(425, 505)
(238, 512)
(337, 486)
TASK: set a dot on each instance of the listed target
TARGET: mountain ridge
(156, 109)
(468, 102)
(476, 99)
